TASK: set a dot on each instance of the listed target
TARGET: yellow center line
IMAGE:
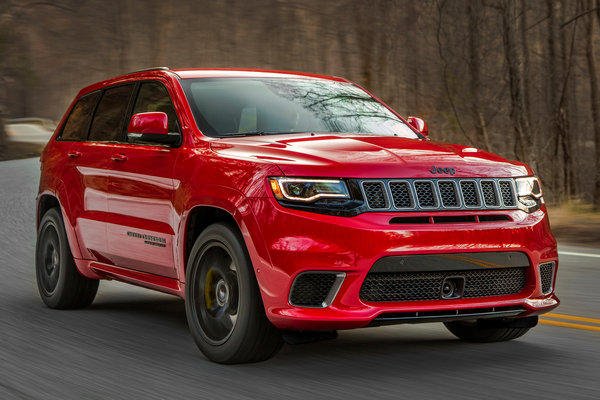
(572, 318)
(570, 325)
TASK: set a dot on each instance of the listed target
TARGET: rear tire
(222, 301)
(59, 283)
(486, 331)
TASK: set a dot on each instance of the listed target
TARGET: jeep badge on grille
(440, 170)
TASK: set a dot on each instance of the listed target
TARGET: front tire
(222, 301)
(486, 331)
(59, 283)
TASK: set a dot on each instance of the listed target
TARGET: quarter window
(77, 124)
(109, 121)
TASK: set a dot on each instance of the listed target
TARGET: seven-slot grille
(439, 194)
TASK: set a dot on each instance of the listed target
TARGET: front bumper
(299, 241)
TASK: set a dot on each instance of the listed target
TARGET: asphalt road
(133, 343)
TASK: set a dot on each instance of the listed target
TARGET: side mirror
(419, 125)
(151, 127)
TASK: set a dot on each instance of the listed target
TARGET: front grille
(375, 194)
(419, 286)
(401, 194)
(439, 194)
(425, 194)
(470, 193)
(448, 194)
(546, 276)
(315, 289)
(489, 194)
(506, 193)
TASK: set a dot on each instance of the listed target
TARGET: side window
(154, 97)
(77, 124)
(109, 120)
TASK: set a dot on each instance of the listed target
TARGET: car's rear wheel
(59, 283)
(223, 305)
(485, 331)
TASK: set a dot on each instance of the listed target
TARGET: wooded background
(519, 78)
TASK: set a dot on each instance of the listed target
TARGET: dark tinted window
(109, 120)
(237, 106)
(76, 126)
(154, 97)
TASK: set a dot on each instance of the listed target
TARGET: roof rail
(150, 69)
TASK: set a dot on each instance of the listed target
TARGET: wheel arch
(229, 206)
(47, 200)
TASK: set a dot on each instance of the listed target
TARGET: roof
(247, 73)
(204, 73)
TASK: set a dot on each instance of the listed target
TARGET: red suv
(277, 202)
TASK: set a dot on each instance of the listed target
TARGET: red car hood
(361, 156)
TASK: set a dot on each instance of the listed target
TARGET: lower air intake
(547, 276)
(315, 289)
(419, 286)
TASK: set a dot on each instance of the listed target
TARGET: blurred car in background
(33, 130)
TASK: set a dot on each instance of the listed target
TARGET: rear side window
(78, 122)
(154, 97)
(109, 119)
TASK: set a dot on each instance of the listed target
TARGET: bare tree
(514, 52)
(594, 99)
(475, 9)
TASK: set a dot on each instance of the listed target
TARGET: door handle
(118, 157)
(74, 154)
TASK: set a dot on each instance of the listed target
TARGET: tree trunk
(513, 51)
(595, 101)
(474, 64)
(3, 138)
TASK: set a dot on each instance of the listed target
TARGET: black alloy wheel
(218, 280)
(59, 283)
(223, 305)
(49, 253)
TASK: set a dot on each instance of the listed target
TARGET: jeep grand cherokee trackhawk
(278, 202)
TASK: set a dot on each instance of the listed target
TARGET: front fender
(235, 204)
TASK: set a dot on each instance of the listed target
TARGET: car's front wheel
(223, 305)
(59, 283)
(493, 330)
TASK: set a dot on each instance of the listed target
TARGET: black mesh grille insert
(546, 272)
(489, 193)
(469, 193)
(507, 193)
(401, 194)
(428, 285)
(375, 194)
(448, 194)
(425, 194)
(311, 289)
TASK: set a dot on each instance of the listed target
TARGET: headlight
(308, 190)
(529, 193)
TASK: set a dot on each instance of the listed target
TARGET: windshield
(258, 106)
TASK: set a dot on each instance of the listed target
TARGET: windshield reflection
(256, 106)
